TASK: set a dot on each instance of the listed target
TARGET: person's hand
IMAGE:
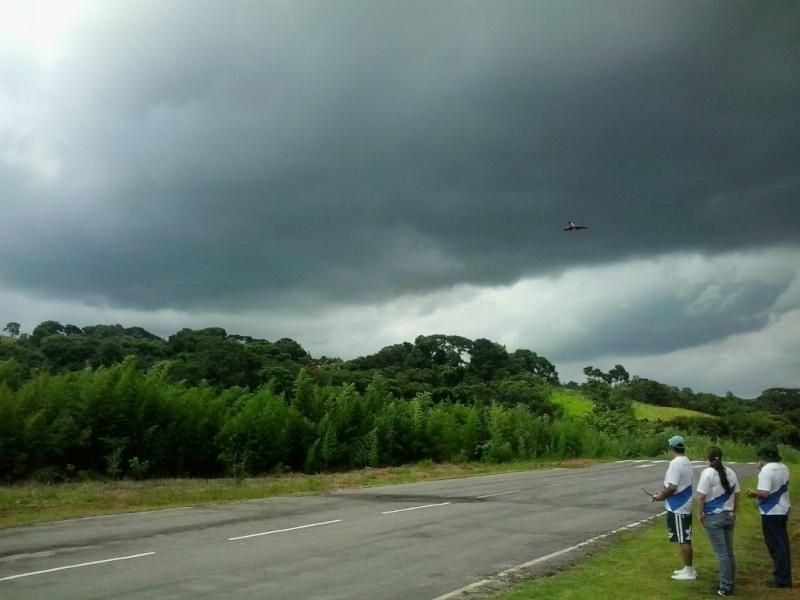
(752, 493)
(702, 519)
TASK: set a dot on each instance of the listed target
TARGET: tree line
(109, 401)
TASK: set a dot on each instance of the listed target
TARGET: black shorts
(679, 528)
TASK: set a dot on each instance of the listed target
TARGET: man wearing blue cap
(677, 493)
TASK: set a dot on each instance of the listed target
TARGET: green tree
(44, 329)
(537, 365)
(618, 375)
(612, 412)
(595, 374)
(488, 360)
(208, 354)
(12, 329)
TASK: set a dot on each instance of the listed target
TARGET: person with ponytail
(717, 504)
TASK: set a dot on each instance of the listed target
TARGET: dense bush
(121, 422)
(205, 403)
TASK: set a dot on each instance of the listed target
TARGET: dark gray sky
(354, 174)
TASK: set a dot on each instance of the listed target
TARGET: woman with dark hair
(717, 503)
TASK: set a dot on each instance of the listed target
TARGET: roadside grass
(639, 564)
(30, 503)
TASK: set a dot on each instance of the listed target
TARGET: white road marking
(644, 466)
(252, 535)
(498, 494)
(389, 512)
(86, 564)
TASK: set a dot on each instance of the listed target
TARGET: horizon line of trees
(108, 401)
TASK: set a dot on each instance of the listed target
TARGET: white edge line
(252, 535)
(86, 564)
(498, 494)
(389, 512)
(472, 586)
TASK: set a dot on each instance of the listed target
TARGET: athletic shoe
(724, 593)
(686, 576)
(679, 571)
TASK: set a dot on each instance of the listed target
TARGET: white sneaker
(679, 571)
(688, 574)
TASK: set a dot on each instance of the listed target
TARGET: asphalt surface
(419, 541)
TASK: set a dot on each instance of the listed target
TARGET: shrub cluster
(120, 421)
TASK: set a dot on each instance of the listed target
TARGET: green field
(576, 405)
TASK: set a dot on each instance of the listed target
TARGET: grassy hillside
(575, 404)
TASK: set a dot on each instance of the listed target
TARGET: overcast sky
(354, 174)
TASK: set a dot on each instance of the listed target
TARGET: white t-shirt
(717, 499)
(774, 478)
(681, 474)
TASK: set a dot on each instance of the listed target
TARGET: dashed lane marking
(389, 512)
(498, 494)
(252, 535)
(86, 564)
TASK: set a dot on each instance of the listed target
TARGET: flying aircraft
(572, 227)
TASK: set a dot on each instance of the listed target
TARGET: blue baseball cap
(677, 441)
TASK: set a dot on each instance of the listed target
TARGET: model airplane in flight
(572, 227)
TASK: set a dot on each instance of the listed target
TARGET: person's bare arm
(760, 494)
(701, 504)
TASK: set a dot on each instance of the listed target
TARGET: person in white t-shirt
(677, 494)
(717, 503)
(774, 506)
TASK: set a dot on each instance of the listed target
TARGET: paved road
(406, 542)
